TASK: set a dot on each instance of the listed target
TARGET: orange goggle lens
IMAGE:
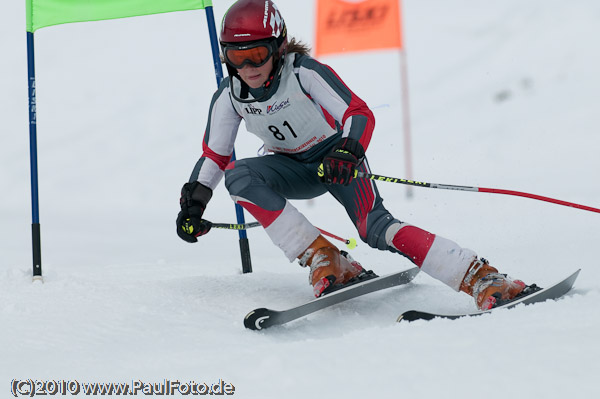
(256, 56)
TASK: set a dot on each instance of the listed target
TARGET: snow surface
(503, 94)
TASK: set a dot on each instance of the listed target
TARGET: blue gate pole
(35, 208)
(244, 244)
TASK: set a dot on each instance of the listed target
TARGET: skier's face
(255, 77)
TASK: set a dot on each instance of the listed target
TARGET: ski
(262, 318)
(552, 292)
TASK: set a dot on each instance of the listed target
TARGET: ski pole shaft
(235, 226)
(350, 243)
(386, 179)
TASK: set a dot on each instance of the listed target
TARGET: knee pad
(376, 228)
(243, 182)
(238, 177)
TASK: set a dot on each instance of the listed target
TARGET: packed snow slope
(503, 94)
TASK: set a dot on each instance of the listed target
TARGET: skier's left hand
(339, 166)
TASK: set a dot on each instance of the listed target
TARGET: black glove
(339, 166)
(194, 197)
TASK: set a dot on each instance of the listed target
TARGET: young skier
(307, 116)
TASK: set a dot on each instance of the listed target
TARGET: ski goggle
(256, 54)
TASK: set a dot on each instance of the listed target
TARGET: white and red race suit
(306, 112)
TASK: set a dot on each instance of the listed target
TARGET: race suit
(306, 112)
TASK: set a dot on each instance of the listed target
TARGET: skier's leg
(437, 256)
(262, 186)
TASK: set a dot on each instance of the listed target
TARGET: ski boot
(490, 288)
(331, 269)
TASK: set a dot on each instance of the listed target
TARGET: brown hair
(297, 46)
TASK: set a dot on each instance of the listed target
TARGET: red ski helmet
(254, 20)
(249, 25)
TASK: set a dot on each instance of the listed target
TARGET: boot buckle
(323, 284)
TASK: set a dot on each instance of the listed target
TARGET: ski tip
(257, 319)
(406, 316)
(413, 315)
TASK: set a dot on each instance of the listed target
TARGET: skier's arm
(219, 137)
(327, 90)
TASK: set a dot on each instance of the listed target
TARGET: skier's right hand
(194, 197)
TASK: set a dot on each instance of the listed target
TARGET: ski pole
(350, 243)
(386, 179)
